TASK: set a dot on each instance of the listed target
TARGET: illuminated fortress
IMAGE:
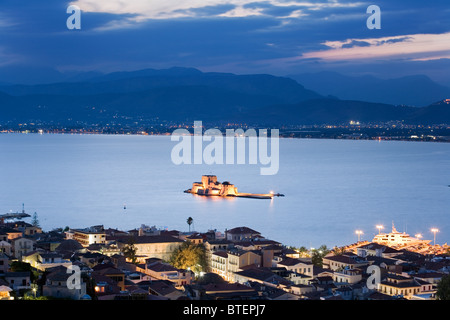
(209, 186)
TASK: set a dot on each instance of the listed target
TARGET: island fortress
(209, 186)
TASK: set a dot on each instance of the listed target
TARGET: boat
(398, 239)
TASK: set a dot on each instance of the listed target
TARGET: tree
(443, 288)
(338, 251)
(318, 254)
(129, 250)
(20, 266)
(189, 222)
(302, 251)
(189, 256)
(35, 221)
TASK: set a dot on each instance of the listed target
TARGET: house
(345, 292)
(4, 263)
(56, 285)
(45, 260)
(195, 238)
(212, 246)
(301, 289)
(343, 261)
(133, 293)
(218, 244)
(8, 233)
(376, 249)
(165, 288)
(302, 266)
(109, 271)
(347, 276)
(5, 247)
(161, 246)
(218, 263)
(105, 288)
(229, 291)
(388, 264)
(21, 246)
(165, 271)
(429, 277)
(88, 236)
(68, 247)
(91, 259)
(18, 280)
(263, 276)
(396, 285)
(237, 259)
(27, 229)
(241, 233)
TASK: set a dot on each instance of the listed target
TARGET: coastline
(283, 135)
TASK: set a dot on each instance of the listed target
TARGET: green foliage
(189, 256)
(338, 251)
(129, 250)
(19, 266)
(443, 288)
(318, 254)
(30, 296)
(35, 220)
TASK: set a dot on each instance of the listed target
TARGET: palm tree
(189, 222)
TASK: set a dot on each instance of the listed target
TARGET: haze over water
(331, 187)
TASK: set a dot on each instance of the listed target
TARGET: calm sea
(331, 187)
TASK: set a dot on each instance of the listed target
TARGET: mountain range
(187, 94)
(414, 90)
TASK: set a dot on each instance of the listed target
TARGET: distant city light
(434, 230)
(379, 227)
(359, 233)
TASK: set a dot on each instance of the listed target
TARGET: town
(352, 130)
(148, 263)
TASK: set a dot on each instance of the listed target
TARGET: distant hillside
(332, 111)
(415, 91)
(181, 94)
(280, 88)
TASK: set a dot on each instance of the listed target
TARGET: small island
(209, 186)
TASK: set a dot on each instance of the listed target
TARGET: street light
(434, 230)
(379, 227)
(359, 233)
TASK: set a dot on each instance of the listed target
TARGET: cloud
(169, 9)
(240, 12)
(410, 47)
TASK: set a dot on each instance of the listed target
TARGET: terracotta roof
(241, 230)
(161, 267)
(162, 287)
(221, 287)
(151, 239)
(220, 254)
(292, 262)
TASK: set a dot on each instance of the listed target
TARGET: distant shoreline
(283, 135)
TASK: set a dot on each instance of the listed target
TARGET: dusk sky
(280, 37)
